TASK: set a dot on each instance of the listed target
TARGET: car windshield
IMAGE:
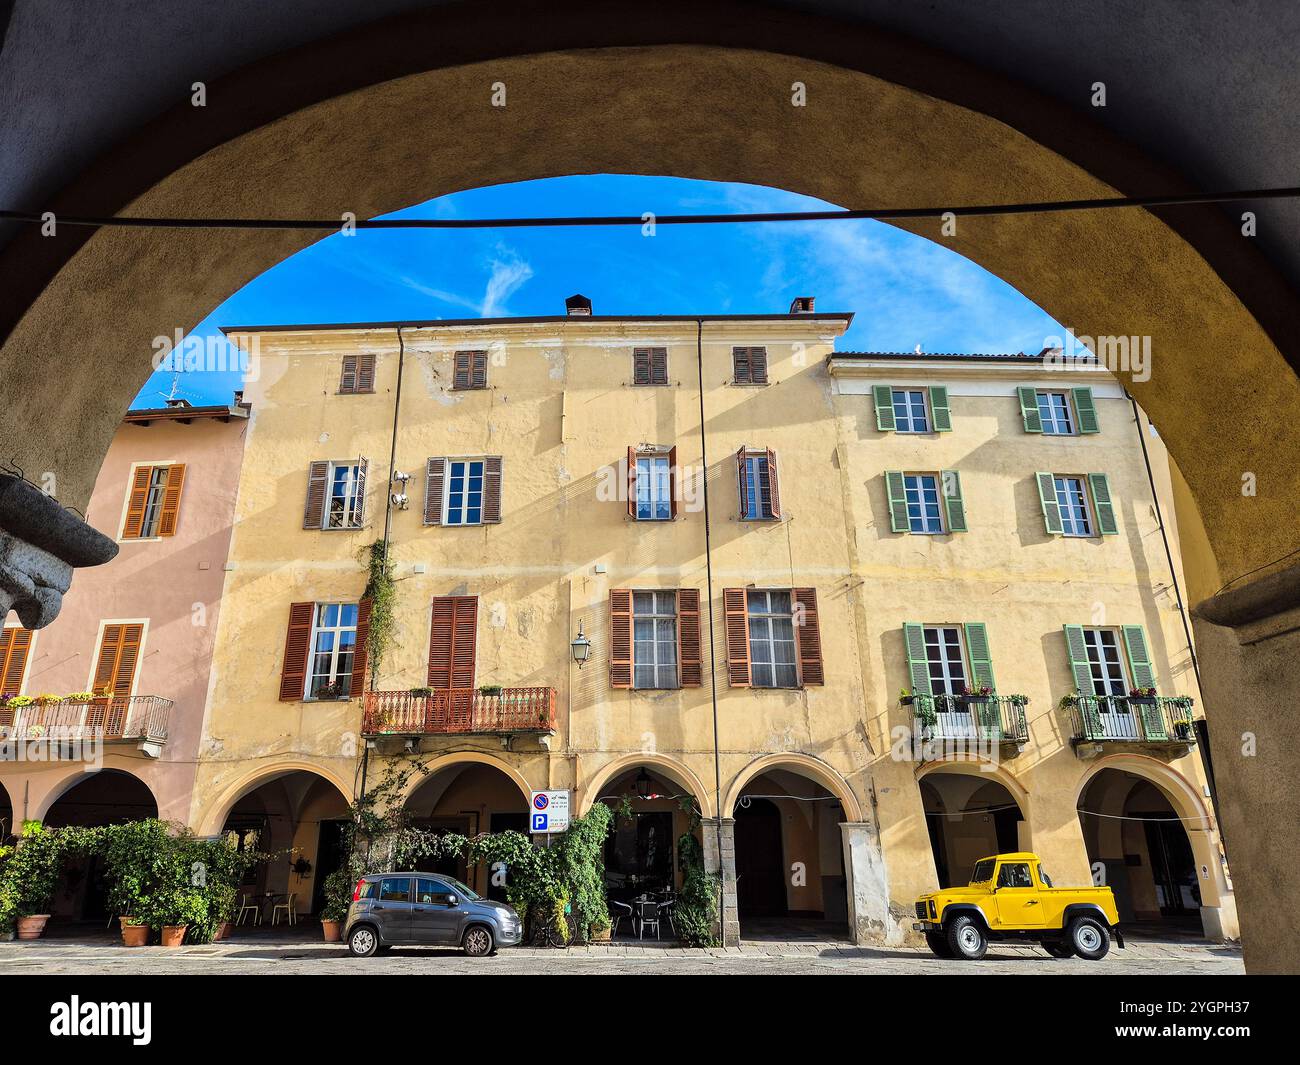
(983, 871)
(462, 890)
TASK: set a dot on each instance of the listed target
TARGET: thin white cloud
(509, 273)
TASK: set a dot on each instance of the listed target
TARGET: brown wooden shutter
(313, 514)
(297, 648)
(659, 366)
(491, 489)
(740, 365)
(688, 637)
(620, 638)
(641, 366)
(631, 482)
(758, 366)
(773, 496)
(461, 369)
(478, 374)
(672, 482)
(360, 652)
(135, 503)
(808, 636)
(435, 473)
(359, 511)
(171, 502)
(348, 376)
(15, 644)
(366, 372)
(119, 651)
(470, 370)
(744, 488)
(734, 605)
(453, 637)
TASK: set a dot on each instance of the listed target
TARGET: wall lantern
(581, 647)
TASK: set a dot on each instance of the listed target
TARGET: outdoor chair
(619, 910)
(288, 907)
(247, 906)
(647, 916)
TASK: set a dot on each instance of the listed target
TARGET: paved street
(260, 955)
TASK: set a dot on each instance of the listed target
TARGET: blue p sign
(539, 822)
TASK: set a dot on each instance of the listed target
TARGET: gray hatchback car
(426, 909)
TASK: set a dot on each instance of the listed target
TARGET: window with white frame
(943, 655)
(153, 501)
(464, 502)
(772, 657)
(653, 488)
(1054, 412)
(343, 509)
(909, 411)
(654, 654)
(758, 487)
(333, 645)
(1105, 661)
(924, 506)
(1072, 498)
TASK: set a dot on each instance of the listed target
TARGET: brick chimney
(802, 304)
(577, 306)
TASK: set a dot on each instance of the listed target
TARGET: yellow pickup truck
(1011, 897)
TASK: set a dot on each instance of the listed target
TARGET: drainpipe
(713, 671)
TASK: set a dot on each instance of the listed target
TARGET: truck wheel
(1089, 938)
(938, 944)
(966, 939)
(1058, 948)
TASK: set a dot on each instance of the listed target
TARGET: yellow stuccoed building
(797, 571)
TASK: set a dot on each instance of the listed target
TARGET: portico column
(870, 920)
(723, 863)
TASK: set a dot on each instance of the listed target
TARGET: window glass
(1105, 662)
(154, 501)
(654, 653)
(1054, 411)
(395, 889)
(1072, 497)
(464, 492)
(909, 411)
(334, 640)
(924, 514)
(1015, 875)
(343, 510)
(431, 891)
(983, 871)
(758, 496)
(772, 659)
(653, 488)
(944, 658)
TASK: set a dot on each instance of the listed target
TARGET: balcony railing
(459, 710)
(989, 718)
(140, 717)
(1124, 719)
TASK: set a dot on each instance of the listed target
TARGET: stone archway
(672, 770)
(970, 816)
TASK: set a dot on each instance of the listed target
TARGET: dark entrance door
(760, 861)
(329, 858)
(1172, 866)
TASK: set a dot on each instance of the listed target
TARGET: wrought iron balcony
(986, 718)
(459, 711)
(138, 718)
(1164, 721)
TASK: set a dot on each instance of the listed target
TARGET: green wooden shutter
(918, 666)
(1078, 652)
(884, 395)
(977, 649)
(1047, 497)
(897, 501)
(1139, 660)
(1086, 411)
(1029, 412)
(939, 411)
(1102, 504)
(950, 480)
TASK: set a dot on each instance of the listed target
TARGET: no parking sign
(548, 812)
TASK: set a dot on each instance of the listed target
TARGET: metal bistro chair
(289, 909)
(247, 906)
(618, 911)
(666, 908)
(647, 916)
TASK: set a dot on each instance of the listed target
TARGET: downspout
(713, 669)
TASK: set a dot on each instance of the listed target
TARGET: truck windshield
(983, 871)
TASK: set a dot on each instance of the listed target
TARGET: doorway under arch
(969, 817)
(7, 826)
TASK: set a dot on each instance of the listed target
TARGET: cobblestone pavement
(299, 955)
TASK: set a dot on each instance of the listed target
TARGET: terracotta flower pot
(134, 935)
(32, 927)
(173, 935)
(223, 931)
(333, 931)
(601, 935)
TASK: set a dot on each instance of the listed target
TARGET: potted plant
(978, 695)
(490, 689)
(421, 693)
(135, 933)
(134, 856)
(1142, 696)
(30, 878)
(905, 697)
(338, 898)
(1183, 717)
(600, 930)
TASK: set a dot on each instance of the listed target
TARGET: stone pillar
(1248, 641)
(871, 920)
(723, 863)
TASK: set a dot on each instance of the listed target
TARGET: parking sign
(549, 812)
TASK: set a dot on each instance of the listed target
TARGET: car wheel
(1058, 948)
(1089, 938)
(478, 942)
(966, 939)
(363, 942)
(938, 944)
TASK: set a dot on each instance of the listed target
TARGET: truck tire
(938, 944)
(966, 939)
(1058, 948)
(1089, 938)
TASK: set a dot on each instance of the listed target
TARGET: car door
(1019, 905)
(433, 917)
(392, 909)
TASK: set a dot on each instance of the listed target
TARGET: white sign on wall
(548, 811)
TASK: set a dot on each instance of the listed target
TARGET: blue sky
(905, 290)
